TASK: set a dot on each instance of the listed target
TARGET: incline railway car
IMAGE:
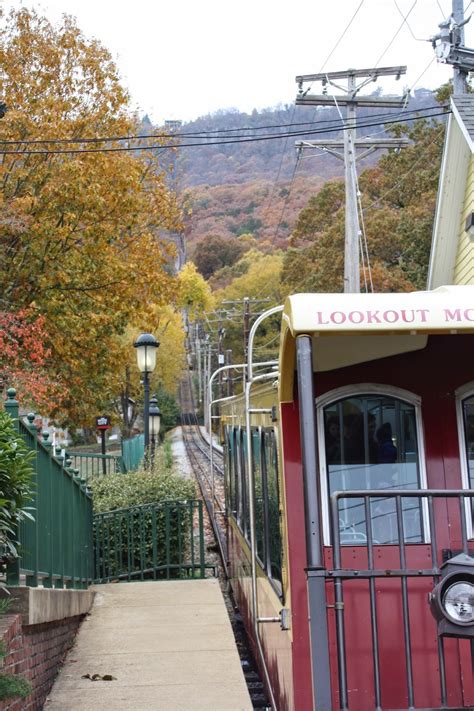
(350, 500)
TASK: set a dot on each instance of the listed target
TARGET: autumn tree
(257, 276)
(214, 252)
(24, 358)
(398, 200)
(166, 323)
(193, 292)
(79, 231)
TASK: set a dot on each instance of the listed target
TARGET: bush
(143, 541)
(16, 483)
(144, 486)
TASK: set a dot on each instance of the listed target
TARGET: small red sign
(103, 422)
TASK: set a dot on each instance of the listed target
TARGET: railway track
(197, 449)
(211, 488)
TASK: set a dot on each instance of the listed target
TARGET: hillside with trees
(259, 187)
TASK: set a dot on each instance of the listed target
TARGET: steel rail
(198, 470)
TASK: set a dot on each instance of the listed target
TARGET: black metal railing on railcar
(377, 566)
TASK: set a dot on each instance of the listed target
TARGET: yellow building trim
(464, 264)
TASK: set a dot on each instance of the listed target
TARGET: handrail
(212, 402)
(253, 549)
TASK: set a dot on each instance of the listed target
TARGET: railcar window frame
(360, 390)
(462, 394)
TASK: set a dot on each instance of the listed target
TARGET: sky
(181, 60)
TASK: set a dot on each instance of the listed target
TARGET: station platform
(168, 645)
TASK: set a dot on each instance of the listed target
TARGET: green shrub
(144, 486)
(16, 482)
(132, 540)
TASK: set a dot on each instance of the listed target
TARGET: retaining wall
(37, 635)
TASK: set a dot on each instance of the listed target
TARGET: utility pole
(220, 354)
(198, 358)
(230, 382)
(459, 74)
(246, 325)
(350, 144)
(449, 47)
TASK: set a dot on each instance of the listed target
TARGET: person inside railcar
(386, 450)
(333, 441)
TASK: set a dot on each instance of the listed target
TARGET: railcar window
(371, 443)
(273, 515)
(468, 417)
(229, 473)
(259, 494)
(245, 517)
(237, 488)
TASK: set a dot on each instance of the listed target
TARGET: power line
(234, 141)
(395, 35)
(342, 36)
(376, 202)
(192, 134)
(441, 9)
(285, 204)
(405, 20)
(275, 182)
(414, 165)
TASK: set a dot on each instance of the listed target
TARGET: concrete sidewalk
(169, 646)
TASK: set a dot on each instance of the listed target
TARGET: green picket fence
(150, 542)
(56, 548)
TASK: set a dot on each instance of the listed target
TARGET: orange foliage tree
(80, 233)
(24, 358)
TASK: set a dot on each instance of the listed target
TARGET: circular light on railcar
(458, 602)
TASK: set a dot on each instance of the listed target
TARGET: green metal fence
(56, 548)
(133, 451)
(150, 542)
(90, 464)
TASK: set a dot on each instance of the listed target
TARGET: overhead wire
(168, 136)
(395, 35)
(420, 159)
(441, 9)
(344, 32)
(414, 165)
(405, 20)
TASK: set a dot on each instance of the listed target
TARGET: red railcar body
(375, 633)
(429, 374)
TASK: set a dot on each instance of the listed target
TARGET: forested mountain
(265, 159)
(258, 187)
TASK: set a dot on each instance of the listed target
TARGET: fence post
(11, 406)
(32, 580)
(48, 582)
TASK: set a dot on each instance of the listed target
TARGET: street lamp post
(146, 346)
(154, 425)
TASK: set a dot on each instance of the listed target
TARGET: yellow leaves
(194, 293)
(80, 234)
(260, 277)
